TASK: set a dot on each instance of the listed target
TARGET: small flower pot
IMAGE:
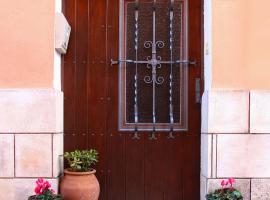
(80, 185)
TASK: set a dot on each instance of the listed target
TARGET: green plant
(81, 161)
(46, 196)
(225, 193)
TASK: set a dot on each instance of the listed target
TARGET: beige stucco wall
(27, 43)
(240, 44)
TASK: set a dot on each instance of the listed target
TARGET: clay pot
(80, 185)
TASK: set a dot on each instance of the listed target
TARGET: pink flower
(38, 190)
(231, 181)
(42, 186)
(224, 183)
(53, 191)
(46, 185)
(40, 181)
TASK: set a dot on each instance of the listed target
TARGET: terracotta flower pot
(80, 186)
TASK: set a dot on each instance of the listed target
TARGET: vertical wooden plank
(191, 170)
(97, 67)
(97, 88)
(175, 162)
(195, 50)
(116, 168)
(116, 141)
(191, 153)
(69, 144)
(69, 69)
(81, 68)
(155, 170)
(98, 142)
(81, 141)
(134, 164)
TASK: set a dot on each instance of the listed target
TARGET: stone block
(260, 111)
(33, 155)
(6, 155)
(58, 149)
(225, 112)
(31, 111)
(243, 155)
(206, 154)
(260, 189)
(203, 187)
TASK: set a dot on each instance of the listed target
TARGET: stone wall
(31, 140)
(235, 141)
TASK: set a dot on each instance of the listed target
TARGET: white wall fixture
(62, 33)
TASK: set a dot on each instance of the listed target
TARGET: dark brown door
(99, 99)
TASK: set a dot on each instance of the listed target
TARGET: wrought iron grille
(152, 66)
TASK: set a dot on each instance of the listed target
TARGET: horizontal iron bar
(116, 62)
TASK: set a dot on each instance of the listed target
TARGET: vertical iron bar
(136, 118)
(154, 65)
(171, 72)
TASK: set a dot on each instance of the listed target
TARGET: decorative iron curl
(160, 44)
(148, 79)
(160, 80)
(158, 64)
(148, 65)
(148, 44)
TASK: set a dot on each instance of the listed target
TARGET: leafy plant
(44, 191)
(81, 161)
(225, 193)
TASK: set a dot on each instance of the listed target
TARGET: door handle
(198, 90)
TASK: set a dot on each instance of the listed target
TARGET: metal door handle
(198, 90)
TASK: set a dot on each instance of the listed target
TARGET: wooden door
(129, 169)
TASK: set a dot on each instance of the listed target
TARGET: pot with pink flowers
(226, 192)
(44, 191)
(79, 180)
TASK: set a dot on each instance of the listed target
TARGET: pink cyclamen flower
(46, 185)
(231, 181)
(53, 191)
(38, 190)
(40, 181)
(42, 186)
(224, 183)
